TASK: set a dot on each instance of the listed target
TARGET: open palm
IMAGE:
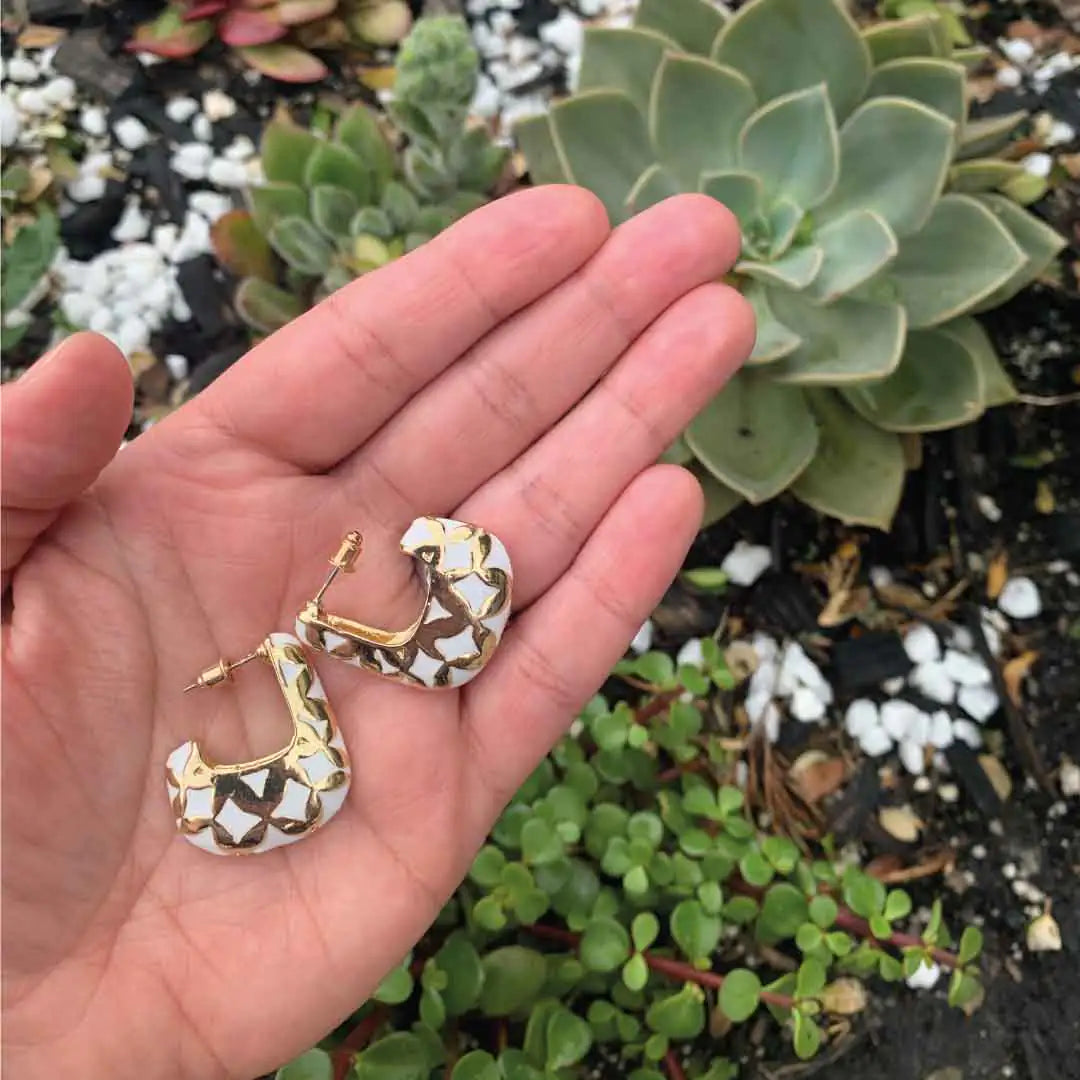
(522, 371)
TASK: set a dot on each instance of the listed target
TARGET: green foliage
(334, 208)
(623, 899)
(875, 223)
(23, 266)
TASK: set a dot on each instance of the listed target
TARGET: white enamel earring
(468, 580)
(281, 798)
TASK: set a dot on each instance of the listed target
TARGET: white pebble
(164, 238)
(911, 756)
(22, 70)
(1017, 50)
(180, 310)
(898, 718)
(181, 109)
(965, 670)
(86, 188)
(921, 644)
(131, 133)
(1069, 779)
(642, 640)
(226, 173)
(78, 307)
(485, 101)
(132, 335)
(745, 563)
(133, 224)
(860, 717)
(1060, 133)
(194, 240)
(177, 365)
(1038, 164)
(93, 120)
(10, 122)
(919, 728)
(949, 793)
(979, 702)
(941, 731)
(924, 978)
(211, 204)
(1020, 598)
(806, 706)
(240, 149)
(1008, 77)
(770, 720)
(967, 732)
(60, 92)
(191, 160)
(566, 33)
(102, 321)
(797, 669)
(875, 741)
(933, 680)
(202, 129)
(893, 686)
(765, 647)
(217, 105)
(691, 654)
(33, 101)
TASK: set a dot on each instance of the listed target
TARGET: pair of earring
(258, 805)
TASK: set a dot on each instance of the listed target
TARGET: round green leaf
(332, 210)
(865, 895)
(696, 113)
(755, 868)
(513, 976)
(781, 852)
(400, 1056)
(823, 910)
(739, 995)
(476, 1065)
(692, 24)
(568, 1039)
(680, 1015)
(720, 500)
(735, 436)
(635, 972)
(783, 910)
(937, 386)
(622, 58)
(604, 142)
(487, 867)
(894, 157)
(856, 246)
(897, 905)
(785, 45)
(272, 201)
(395, 988)
(741, 909)
(810, 978)
(971, 943)
(535, 137)
(284, 150)
(460, 961)
(310, 1065)
(644, 930)
(858, 472)
(937, 84)
(807, 1036)
(540, 843)
(604, 945)
(792, 144)
(808, 937)
(960, 257)
(694, 930)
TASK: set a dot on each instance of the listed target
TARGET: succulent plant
(24, 267)
(274, 36)
(333, 209)
(873, 226)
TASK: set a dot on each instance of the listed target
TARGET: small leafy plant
(24, 267)
(625, 905)
(274, 37)
(874, 225)
(334, 208)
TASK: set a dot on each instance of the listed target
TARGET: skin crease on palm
(523, 371)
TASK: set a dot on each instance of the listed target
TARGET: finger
(315, 390)
(558, 652)
(544, 506)
(522, 377)
(63, 422)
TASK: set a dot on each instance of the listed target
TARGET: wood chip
(997, 573)
(997, 775)
(36, 36)
(889, 870)
(815, 775)
(1014, 673)
(844, 997)
(901, 822)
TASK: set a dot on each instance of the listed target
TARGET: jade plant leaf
(997, 387)
(938, 385)
(915, 36)
(809, 41)
(741, 192)
(734, 436)
(844, 342)
(894, 159)
(604, 141)
(693, 24)
(622, 58)
(696, 113)
(792, 144)
(958, 258)
(858, 472)
(856, 247)
(938, 84)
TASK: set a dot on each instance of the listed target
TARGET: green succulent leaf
(265, 307)
(284, 150)
(276, 200)
(983, 174)
(807, 1036)
(971, 943)
(734, 436)
(844, 342)
(937, 84)
(915, 36)
(741, 192)
(720, 500)
(604, 141)
(693, 24)
(622, 58)
(856, 246)
(879, 136)
(937, 386)
(605, 945)
(696, 113)
(535, 137)
(513, 976)
(465, 974)
(311, 1065)
(680, 1015)
(332, 210)
(808, 42)
(330, 163)
(476, 1065)
(795, 269)
(568, 1038)
(958, 258)
(783, 910)
(695, 931)
(359, 131)
(857, 476)
(997, 387)
(402, 1055)
(774, 340)
(654, 185)
(739, 995)
(792, 144)
(989, 134)
(1039, 243)
(785, 219)
(301, 245)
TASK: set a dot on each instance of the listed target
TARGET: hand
(524, 370)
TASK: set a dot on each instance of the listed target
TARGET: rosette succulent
(874, 226)
(334, 208)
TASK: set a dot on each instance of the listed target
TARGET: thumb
(62, 423)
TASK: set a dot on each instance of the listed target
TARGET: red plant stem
(673, 969)
(674, 1069)
(854, 924)
(656, 706)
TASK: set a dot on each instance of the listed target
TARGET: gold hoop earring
(256, 806)
(468, 580)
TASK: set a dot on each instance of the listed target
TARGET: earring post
(221, 671)
(344, 559)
